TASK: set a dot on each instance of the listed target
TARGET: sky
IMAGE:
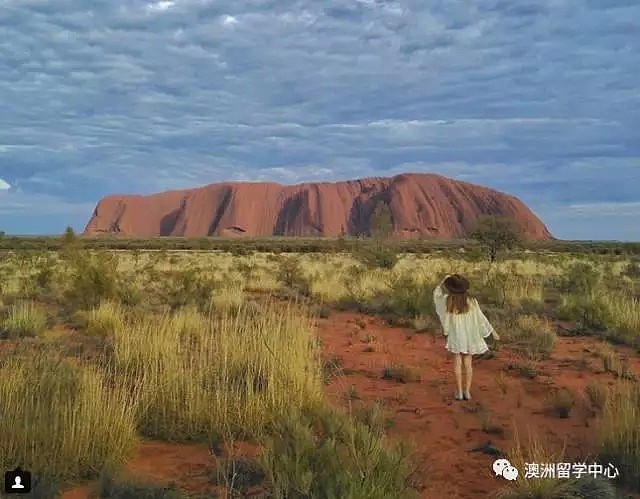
(539, 99)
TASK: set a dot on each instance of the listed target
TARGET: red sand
(441, 430)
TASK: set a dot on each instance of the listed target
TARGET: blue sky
(539, 99)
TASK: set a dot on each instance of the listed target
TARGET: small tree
(496, 234)
(381, 222)
(379, 254)
(69, 236)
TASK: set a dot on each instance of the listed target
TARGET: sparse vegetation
(532, 336)
(527, 487)
(24, 319)
(171, 346)
(597, 395)
(402, 374)
(561, 402)
(330, 455)
(620, 432)
(496, 234)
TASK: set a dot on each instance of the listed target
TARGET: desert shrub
(93, 278)
(620, 432)
(377, 257)
(374, 417)
(632, 270)
(496, 234)
(238, 475)
(597, 394)
(291, 274)
(403, 374)
(561, 402)
(332, 367)
(112, 486)
(582, 488)
(24, 319)
(589, 311)
(532, 336)
(612, 363)
(228, 298)
(328, 454)
(488, 423)
(580, 279)
(187, 287)
(62, 420)
(44, 279)
(408, 298)
(502, 288)
(104, 320)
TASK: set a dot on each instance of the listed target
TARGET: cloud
(146, 95)
(4, 185)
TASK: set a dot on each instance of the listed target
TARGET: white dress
(465, 332)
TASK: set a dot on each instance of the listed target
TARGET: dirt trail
(442, 431)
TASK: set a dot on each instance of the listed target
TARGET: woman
(464, 325)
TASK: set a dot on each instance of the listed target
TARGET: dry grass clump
(23, 319)
(620, 431)
(60, 419)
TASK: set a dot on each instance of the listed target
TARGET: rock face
(422, 205)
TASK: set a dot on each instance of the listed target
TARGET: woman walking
(465, 327)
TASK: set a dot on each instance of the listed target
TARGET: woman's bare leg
(468, 368)
(457, 369)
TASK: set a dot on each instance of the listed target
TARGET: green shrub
(291, 275)
(374, 417)
(580, 279)
(328, 454)
(94, 278)
(378, 256)
(187, 287)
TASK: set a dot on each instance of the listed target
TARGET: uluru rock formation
(421, 204)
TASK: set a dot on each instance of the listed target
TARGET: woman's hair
(458, 303)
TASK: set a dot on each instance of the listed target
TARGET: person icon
(17, 481)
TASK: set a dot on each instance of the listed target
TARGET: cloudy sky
(536, 98)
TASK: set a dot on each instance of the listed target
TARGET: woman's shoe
(459, 396)
(466, 395)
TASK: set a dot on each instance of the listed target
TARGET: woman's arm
(439, 300)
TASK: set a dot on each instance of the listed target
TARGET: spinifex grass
(105, 319)
(620, 431)
(60, 419)
(234, 372)
(528, 487)
(330, 454)
(23, 319)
